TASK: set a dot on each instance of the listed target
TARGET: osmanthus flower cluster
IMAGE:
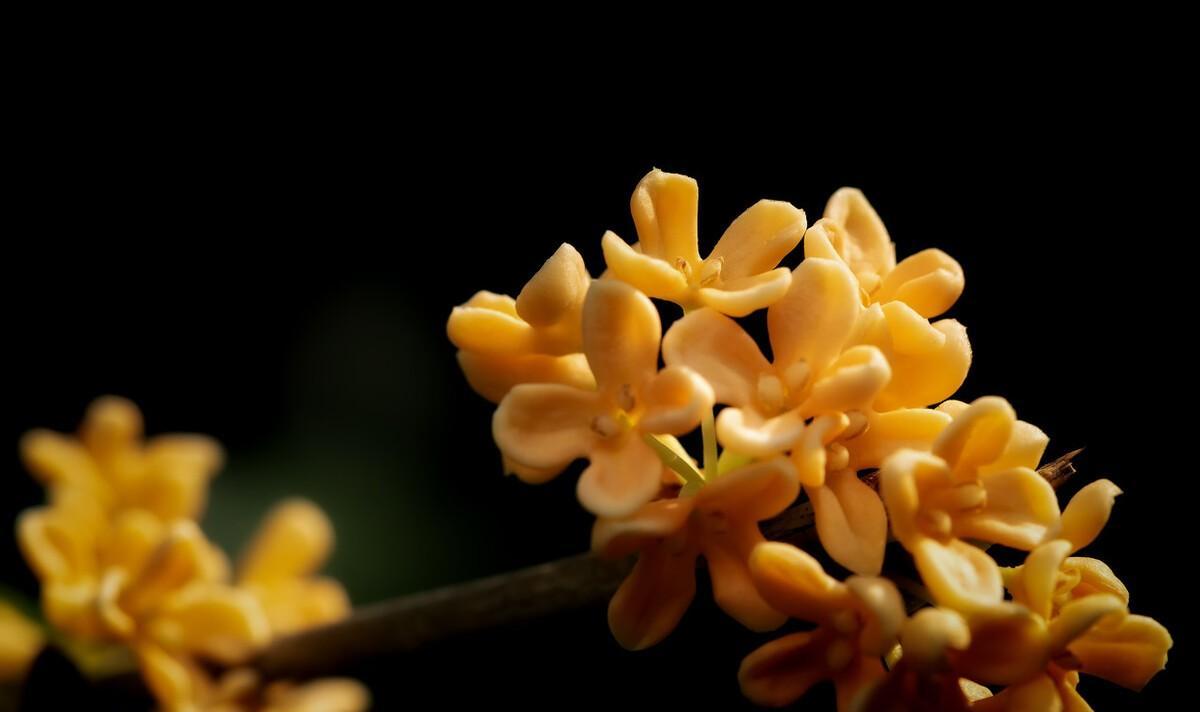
(858, 378)
(123, 563)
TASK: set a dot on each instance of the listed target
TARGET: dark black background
(270, 257)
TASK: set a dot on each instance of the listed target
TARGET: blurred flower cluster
(127, 575)
(858, 380)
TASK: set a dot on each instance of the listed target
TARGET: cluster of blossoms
(124, 566)
(859, 360)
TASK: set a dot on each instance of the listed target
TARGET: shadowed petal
(655, 595)
(793, 582)
(614, 538)
(1128, 653)
(494, 375)
(780, 672)
(851, 522)
(733, 588)
(556, 292)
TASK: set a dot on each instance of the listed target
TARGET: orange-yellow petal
(886, 433)
(812, 322)
(216, 622)
(494, 375)
(758, 239)
(556, 292)
(665, 208)
(623, 475)
(976, 437)
(851, 522)
(714, 346)
(1087, 513)
(793, 582)
(745, 295)
(929, 281)
(20, 642)
(780, 672)
(1128, 653)
(294, 540)
(851, 382)
(545, 425)
(861, 238)
(752, 492)
(621, 334)
(488, 323)
(655, 595)
(654, 276)
(959, 576)
(1021, 508)
(675, 399)
(726, 547)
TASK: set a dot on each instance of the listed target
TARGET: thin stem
(708, 429)
(691, 476)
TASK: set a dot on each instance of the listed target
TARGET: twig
(406, 624)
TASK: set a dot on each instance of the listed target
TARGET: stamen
(710, 272)
(771, 393)
(683, 266)
(796, 376)
(605, 426)
(625, 398)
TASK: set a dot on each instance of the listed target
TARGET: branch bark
(405, 624)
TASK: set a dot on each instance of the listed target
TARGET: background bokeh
(277, 274)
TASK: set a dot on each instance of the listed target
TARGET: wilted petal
(655, 595)
(745, 431)
(489, 323)
(1021, 508)
(655, 276)
(976, 437)
(676, 398)
(812, 322)
(793, 582)
(959, 576)
(556, 292)
(864, 241)
(727, 551)
(886, 433)
(545, 425)
(780, 672)
(759, 238)
(929, 281)
(621, 333)
(494, 375)
(623, 476)
(922, 379)
(1087, 513)
(617, 537)
(851, 522)
(1128, 653)
(744, 295)
(665, 207)
(714, 346)
(752, 492)
(294, 540)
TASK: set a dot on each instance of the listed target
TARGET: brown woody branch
(405, 624)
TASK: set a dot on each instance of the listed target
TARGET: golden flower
(738, 277)
(20, 641)
(535, 338)
(928, 282)
(279, 564)
(543, 427)
(857, 623)
(719, 521)
(240, 690)
(976, 482)
(111, 467)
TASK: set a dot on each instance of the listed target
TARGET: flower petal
(1025, 448)
(959, 576)
(1128, 653)
(793, 582)
(1087, 513)
(903, 477)
(55, 460)
(809, 454)
(929, 281)
(714, 346)
(1034, 581)
(293, 541)
(914, 428)
(1079, 616)
(911, 333)
(1021, 508)
(654, 276)
(665, 208)
(930, 635)
(882, 611)
(1095, 577)
(621, 333)
(327, 694)
(494, 375)
(1008, 645)
(752, 492)
(851, 382)
(855, 681)
(655, 595)
(293, 605)
(745, 295)
(1038, 693)
(851, 522)
(976, 437)
(489, 323)
(556, 292)
(814, 319)
(175, 681)
(780, 672)
(57, 546)
(864, 242)
(623, 476)
(759, 238)
(727, 553)
(20, 642)
(545, 425)
(919, 380)
(617, 537)
(745, 431)
(220, 623)
(676, 399)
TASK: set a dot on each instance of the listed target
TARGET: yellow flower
(739, 276)
(719, 522)
(240, 690)
(543, 427)
(535, 338)
(20, 642)
(278, 566)
(928, 282)
(977, 482)
(110, 465)
(857, 623)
